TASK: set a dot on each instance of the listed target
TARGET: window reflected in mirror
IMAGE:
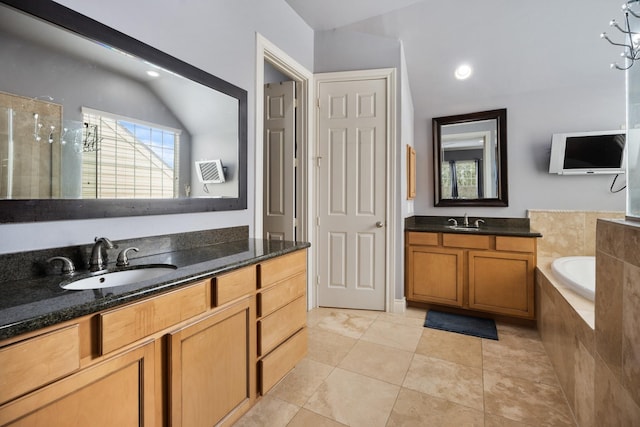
(470, 159)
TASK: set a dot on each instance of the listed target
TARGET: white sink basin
(119, 278)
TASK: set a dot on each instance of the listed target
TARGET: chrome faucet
(67, 264)
(97, 262)
(465, 220)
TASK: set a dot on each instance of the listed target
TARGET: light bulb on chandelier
(631, 39)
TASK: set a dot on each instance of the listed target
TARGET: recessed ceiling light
(153, 73)
(463, 72)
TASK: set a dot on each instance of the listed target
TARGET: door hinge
(295, 102)
(317, 280)
(318, 221)
(317, 102)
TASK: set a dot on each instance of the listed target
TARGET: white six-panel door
(279, 164)
(352, 144)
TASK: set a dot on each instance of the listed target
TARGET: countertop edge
(488, 231)
(193, 274)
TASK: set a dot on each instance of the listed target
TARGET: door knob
(379, 224)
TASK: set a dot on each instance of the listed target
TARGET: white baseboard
(399, 305)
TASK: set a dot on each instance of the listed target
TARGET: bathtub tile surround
(598, 364)
(567, 233)
(609, 278)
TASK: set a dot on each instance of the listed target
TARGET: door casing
(267, 51)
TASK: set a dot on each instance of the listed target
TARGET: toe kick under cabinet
(484, 273)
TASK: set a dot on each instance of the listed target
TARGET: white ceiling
(330, 14)
(514, 47)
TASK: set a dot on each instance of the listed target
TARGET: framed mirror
(96, 124)
(470, 159)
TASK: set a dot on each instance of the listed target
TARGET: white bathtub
(577, 273)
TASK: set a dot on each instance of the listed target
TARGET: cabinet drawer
(280, 268)
(280, 325)
(125, 325)
(32, 363)
(281, 294)
(466, 241)
(280, 361)
(516, 244)
(415, 238)
(234, 285)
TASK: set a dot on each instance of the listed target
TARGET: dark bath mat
(467, 325)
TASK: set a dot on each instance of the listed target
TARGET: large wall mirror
(95, 124)
(470, 159)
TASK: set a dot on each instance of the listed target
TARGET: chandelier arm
(604, 36)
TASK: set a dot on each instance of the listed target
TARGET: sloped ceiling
(514, 47)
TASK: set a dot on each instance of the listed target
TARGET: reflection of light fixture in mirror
(631, 42)
(52, 127)
(463, 72)
(152, 73)
(36, 127)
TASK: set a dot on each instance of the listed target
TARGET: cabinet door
(212, 367)
(502, 282)
(116, 392)
(435, 275)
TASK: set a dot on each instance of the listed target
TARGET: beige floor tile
(316, 315)
(420, 313)
(509, 359)
(378, 361)
(350, 323)
(456, 348)
(354, 399)
(402, 319)
(447, 380)
(393, 335)
(328, 347)
(496, 421)
(306, 418)
(268, 412)
(361, 313)
(517, 330)
(301, 382)
(418, 409)
(527, 401)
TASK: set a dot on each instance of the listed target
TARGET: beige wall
(567, 233)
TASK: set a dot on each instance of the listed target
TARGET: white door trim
(389, 74)
(267, 51)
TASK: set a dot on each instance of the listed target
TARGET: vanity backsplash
(23, 265)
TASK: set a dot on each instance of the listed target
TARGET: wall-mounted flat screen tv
(583, 153)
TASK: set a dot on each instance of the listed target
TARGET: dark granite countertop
(28, 304)
(518, 227)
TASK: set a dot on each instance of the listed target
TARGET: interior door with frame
(352, 157)
(279, 222)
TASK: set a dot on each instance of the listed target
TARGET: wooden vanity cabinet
(118, 391)
(434, 274)
(212, 367)
(493, 274)
(187, 357)
(282, 308)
